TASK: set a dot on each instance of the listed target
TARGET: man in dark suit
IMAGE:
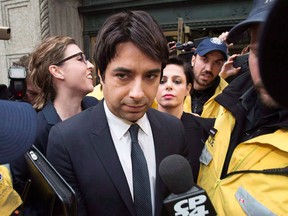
(94, 150)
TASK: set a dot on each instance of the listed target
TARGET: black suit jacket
(197, 131)
(82, 150)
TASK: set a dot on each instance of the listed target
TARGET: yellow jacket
(97, 92)
(211, 107)
(245, 193)
(9, 198)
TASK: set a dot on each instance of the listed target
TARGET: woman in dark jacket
(175, 85)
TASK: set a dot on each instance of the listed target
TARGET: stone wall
(22, 16)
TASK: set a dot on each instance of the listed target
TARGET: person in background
(207, 63)
(175, 86)
(130, 54)
(17, 134)
(62, 74)
(63, 81)
(245, 159)
(31, 90)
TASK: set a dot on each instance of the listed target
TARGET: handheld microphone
(187, 198)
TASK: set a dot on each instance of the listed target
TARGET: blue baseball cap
(211, 44)
(258, 14)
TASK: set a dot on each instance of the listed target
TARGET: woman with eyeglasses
(63, 75)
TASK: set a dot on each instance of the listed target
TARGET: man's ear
(193, 60)
(56, 72)
(100, 77)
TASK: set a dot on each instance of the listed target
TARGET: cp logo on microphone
(191, 206)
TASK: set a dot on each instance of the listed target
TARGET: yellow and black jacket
(243, 166)
(210, 107)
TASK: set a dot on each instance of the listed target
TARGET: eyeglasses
(80, 54)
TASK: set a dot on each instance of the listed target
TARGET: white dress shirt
(122, 142)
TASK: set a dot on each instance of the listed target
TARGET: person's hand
(172, 47)
(245, 50)
(228, 69)
(223, 38)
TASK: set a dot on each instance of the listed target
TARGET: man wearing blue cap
(207, 62)
(244, 163)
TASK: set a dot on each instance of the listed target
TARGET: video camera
(188, 48)
(17, 87)
(4, 33)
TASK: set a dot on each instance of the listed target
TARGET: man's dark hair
(137, 27)
(186, 66)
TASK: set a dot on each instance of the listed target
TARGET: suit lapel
(103, 144)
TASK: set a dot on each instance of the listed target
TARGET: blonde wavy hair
(48, 52)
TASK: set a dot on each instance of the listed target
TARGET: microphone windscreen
(176, 173)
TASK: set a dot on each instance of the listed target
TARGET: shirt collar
(120, 126)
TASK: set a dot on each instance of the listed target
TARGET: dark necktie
(141, 183)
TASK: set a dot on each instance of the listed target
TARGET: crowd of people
(108, 141)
